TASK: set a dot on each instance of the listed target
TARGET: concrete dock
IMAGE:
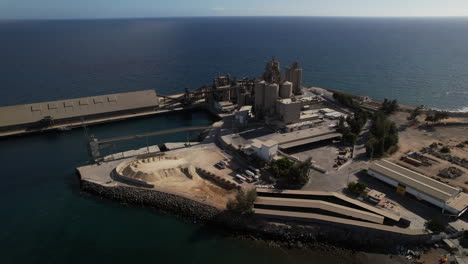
(72, 113)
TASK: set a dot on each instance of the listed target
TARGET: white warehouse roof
(417, 181)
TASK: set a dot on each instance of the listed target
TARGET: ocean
(415, 60)
(47, 219)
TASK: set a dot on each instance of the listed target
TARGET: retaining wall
(256, 226)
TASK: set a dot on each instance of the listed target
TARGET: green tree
(415, 113)
(346, 100)
(291, 173)
(389, 107)
(357, 187)
(243, 202)
(436, 116)
(384, 136)
(281, 167)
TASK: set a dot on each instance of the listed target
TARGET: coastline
(463, 112)
(277, 234)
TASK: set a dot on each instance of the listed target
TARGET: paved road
(338, 180)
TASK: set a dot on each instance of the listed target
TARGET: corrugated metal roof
(412, 179)
(29, 113)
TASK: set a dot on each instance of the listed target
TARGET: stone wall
(165, 201)
(255, 226)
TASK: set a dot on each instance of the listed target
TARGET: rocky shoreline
(274, 234)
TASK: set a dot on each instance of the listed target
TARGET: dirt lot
(450, 133)
(176, 172)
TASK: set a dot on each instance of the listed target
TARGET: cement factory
(260, 120)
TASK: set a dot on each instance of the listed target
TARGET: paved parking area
(322, 153)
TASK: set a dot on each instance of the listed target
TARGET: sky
(82, 9)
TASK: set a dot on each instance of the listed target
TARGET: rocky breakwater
(167, 202)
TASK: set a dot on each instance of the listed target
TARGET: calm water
(417, 61)
(45, 218)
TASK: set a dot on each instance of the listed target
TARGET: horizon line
(228, 16)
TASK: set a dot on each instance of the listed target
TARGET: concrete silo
(259, 90)
(286, 90)
(271, 95)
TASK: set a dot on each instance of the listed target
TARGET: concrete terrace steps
(327, 207)
(283, 203)
(319, 195)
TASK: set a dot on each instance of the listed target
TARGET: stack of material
(451, 173)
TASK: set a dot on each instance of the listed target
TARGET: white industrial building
(243, 115)
(265, 150)
(446, 197)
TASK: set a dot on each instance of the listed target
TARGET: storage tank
(286, 90)
(271, 95)
(259, 95)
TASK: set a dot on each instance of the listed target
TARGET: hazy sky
(32, 9)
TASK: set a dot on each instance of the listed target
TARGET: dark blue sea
(415, 60)
(46, 219)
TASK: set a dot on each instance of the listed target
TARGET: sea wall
(347, 236)
(255, 226)
(176, 204)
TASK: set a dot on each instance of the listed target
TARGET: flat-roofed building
(69, 110)
(289, 111)
(243, 115)
(265, 150)
(448, 198)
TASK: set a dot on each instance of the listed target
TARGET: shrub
(435, 226)
(243, 202)
(357, 187)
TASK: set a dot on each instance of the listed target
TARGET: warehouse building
(444, 196)
(73, 110)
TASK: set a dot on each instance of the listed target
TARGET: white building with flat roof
(448, 198)
(265, 150)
